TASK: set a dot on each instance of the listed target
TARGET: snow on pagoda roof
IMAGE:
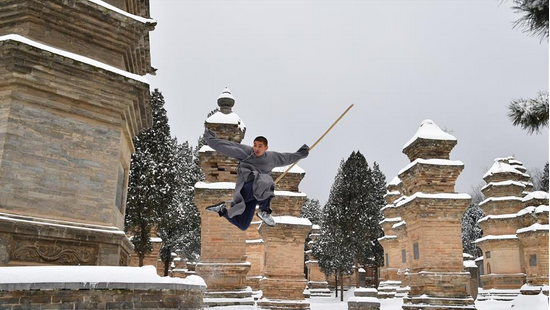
(122, 12)
(399, 224)
(534, 227)
(429, 130)
(73, 56)
(288, 193)
(221, 118)
(387, 206)
(435, 162)
(387, 237)
(391, 193)
(500, 199)
(215, 185)
(226, 94)
(526, 210)
(395, 181)
(292, 220)
(206, 148)
(504, 183)
(295, 169)
(469, 264)
(390, 220)
(466, 255)
(61, 224)
(496, 237)
(536, 195)
(497, 217)
(432, 196)
(315, 226)
(89, 274)
(501, 167)
(542, 208)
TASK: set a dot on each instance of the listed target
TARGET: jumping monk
(254, 183)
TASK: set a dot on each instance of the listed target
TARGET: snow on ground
(537, 302)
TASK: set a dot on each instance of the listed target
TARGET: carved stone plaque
(54, 252)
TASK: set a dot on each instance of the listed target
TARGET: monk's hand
(304, 150)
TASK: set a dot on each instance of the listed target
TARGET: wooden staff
(316, 142)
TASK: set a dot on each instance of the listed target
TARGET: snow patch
(287, 193)
(216, 185)
(73, 56)
(501, 167)
(89, 274)
(408, 199)
(496, 237)
(206, 148)
(295, 169)
(292, 220)
(469, 264)
(534, 227)
(535, 195)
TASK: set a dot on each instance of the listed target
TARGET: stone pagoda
(515, 229)
(283, 281)
(73, 97)
(316, 279)
(389, 274)
(223, 264)
(431, 214)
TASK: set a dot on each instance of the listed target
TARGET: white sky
(295, 66)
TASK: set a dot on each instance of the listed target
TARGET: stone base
(503, 281)
(283, 288)
(388, 289)
(283, 304)
(366, 292)
(223, 276)
(27, 241)
(363, 303)
(433, 303)
(229, 298)
(320, 292)
(254, 282)
(497, 294)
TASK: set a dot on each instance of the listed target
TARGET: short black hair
(261, 139)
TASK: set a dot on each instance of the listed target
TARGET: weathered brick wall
(101, 299)
(430, 179)
(424, 148)
(83, 28)
(535, 243)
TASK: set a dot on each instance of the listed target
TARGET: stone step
(224, 302)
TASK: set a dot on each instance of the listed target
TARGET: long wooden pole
(314, 144)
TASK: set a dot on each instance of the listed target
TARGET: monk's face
(259, 148)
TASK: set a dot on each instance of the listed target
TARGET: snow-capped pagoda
(74, 95)
(284, 281)
(223, 264)
(431, 214)
(515, 228)
(316, 279)
(389, 273)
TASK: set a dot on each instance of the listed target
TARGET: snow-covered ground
(537, 302)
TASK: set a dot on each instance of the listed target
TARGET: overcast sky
(295, 66)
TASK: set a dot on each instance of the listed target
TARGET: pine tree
(471, 230)
(544, 180)
(312, 211)
(530, 114)
(152, 177)
(536, 16)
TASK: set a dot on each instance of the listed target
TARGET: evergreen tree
(535, 18)
(471, 230)
(152, 177)
(179, 227)
(312, 211)
(544, 180)
(530, 114)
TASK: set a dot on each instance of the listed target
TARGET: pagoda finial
(226, 101)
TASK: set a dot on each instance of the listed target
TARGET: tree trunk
(357, 274)
(341, 287)
(166, 266)
(336, 284)
(141, 257)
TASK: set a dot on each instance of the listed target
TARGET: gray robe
(252, 168)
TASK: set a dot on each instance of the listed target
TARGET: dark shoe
(217, 208)
(266, 217)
